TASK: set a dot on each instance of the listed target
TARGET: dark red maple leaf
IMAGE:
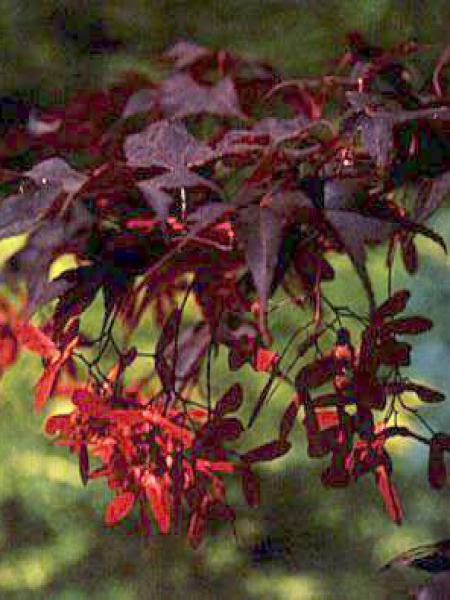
(56, 172)
(20, 212)
(142, 101)
(166, 144)
(182, 96)
(259, 230)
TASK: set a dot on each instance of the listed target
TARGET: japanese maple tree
(228, 188)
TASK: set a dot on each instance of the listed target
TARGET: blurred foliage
(326, 545)
(53, 47)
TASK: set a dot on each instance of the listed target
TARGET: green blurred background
(52, 540)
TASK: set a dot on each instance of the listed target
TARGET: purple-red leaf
(377, 139)
(56, 172)
(20, 212)
(259, 230)
(192, 345)
(182, 96)
(141, 101)
(166, 144)
(353, 228)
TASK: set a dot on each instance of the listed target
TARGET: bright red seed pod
(8, 346)
(389, 493)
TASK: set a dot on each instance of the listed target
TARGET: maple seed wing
(84, 464)
(119, 507)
